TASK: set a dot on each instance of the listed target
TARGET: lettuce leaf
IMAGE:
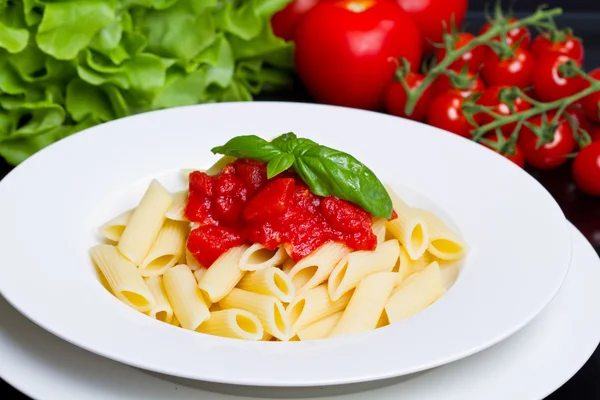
(68, 65)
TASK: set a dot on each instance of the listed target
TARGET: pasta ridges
(314, 305)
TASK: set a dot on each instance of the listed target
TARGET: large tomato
(548, 82)
(591, 103)
(396, 98)
(345, 50)
(548, 155)
(515, 70)
(564, 43)
(286, 21)
(431, 15)
(586, 169)
(445, 112)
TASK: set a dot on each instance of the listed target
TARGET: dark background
(569, 5)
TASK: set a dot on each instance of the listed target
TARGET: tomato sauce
(240, 205)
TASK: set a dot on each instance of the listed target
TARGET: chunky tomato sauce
(240, 205)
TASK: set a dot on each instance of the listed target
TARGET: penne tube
(271, 282)
(418, 292)
(356, 266)
(175, 321)
(288, 265)
(233, 323)
(268, 309)
(177, 210)
(405, 266)
(145, 223)
(187, 301)
(123, 277)
(223, 275)
(258, 257)
(410, 228)
(267, 337)
(366, 305)
(113, 229)
(191, 261)
(320, 329)
(219, 164)
(314, 305)
(162, 310)
(315, 268)
(444, 243)
(166, 250)
(199, 273)
(379, 229)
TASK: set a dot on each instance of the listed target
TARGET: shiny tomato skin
(491, 98)
(208, 242)
(252, 173)
(271, 201)
(516, 158)
(516, 70)
(520, 35)
(586, 169)
(396, 98)
(446, 113)
(549, 84)
(345, 50)
(443, 84)
(549, 155)
(430, 16)
(285, 21)
(344, 216)
(472, 59)
(591, 103)
(571, 46)
(230, 197)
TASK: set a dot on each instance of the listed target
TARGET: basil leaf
(250, 146)
(279, 164)
(289, 143)
(331, 172)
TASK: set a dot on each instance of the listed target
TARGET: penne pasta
(288, 265)
(356, 266)
(416, 293)
(410, 228)
(444, 243)
(177, 210)
(187, 301)
(191, 261)
(145, 223)
(314, 305)
(199, 273)
(320, 329)
(268, 309)
(223, 275)
(366, 305)
(113, 229)
(218, 166)
(379, 229)
(315, 268)
(271, 282)
(233, 323)
(162, 310)
(166, 250)
(123, 277)
(175, 321)
(258, 257)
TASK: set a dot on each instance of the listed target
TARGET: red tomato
(591, 103)
(443, 84)
(472, 59)
(208, 242)
(445, 112)
(270, 202)
(579, 117)
(513, 36)
(491, 98)
(395, 98)
(430, 16)
(286, 21)
(345, 50)
(594, 132)
(516, 157)
(549, 84)
(549, 155)
(568, 45)
(586, 169)
(516, 70)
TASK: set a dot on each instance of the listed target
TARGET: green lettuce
(68, 65)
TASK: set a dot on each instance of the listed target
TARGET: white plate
(51, 205)
(529, 365)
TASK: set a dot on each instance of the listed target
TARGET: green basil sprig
(326, 171)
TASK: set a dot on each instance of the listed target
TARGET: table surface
(582, 210)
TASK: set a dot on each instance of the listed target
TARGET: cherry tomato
(591, 103)
(431, 15)
(443, 84)
(549, 83)
(586, 169)
(516, 70)
(566, 44)
(445, 112)
(516, 157)
(580, 119)
(472, 59)
(395, 98)
(513, 36)
(549, 155)
(285, 22)
(594, 132)
(491, 98)
(345, 50)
